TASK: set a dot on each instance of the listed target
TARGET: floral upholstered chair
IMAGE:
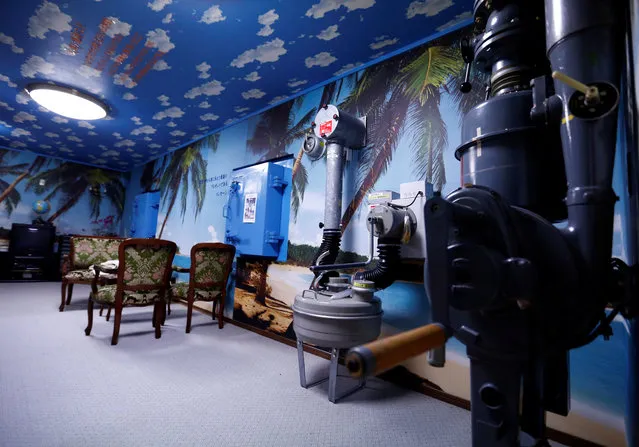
(142, 280)
(85, 252)
(211, 264)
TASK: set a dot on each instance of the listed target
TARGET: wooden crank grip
(380, 355)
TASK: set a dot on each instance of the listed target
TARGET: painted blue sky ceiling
(173, 71)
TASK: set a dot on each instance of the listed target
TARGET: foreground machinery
(339, 311)
(517, 290)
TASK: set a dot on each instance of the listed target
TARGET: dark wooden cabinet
(33, 254)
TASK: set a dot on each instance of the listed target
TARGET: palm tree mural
(180, 169)
(9, 195)
(274, 132)
(69, 181)
(401, 95)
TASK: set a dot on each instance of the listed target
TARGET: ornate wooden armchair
(211, 264)
(142, 280)
(85, 252)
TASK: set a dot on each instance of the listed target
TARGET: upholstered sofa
(85, 252)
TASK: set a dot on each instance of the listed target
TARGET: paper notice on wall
(250, 204)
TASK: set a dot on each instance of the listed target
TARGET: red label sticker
(326, 127)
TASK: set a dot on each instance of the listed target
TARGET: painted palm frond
(69, 182)
(47, 180)
(271, 130)
(368, 92)
(197, 173)
(430, 71)
(209, 142)
(12, 199)
(185, 172)
(387, 132)
(184, 193)
(95, 201)
(13, 169)
(116, 194)
(276, 130)
(21, 171)
(400, 95)
(328, 93)
(298, 130)
(146, 179)
(430, 139)
(300, 181)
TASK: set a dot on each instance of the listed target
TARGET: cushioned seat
(85, 251)
(87, 275)
(106, 295)
(211, 264)
(142, 280)
(180, 289)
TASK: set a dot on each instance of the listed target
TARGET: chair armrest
(180, 269)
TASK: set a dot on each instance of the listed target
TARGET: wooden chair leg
(116, 325)
(101, 309)
(155, 314)
(64, 295)
(70, 293)
(189, 314)
(169, 304)
(158, 311)
(87, 331)
(220, 315)
(213, 310)
(108, 313)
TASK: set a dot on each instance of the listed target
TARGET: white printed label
(250, 205)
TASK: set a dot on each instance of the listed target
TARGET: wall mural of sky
(413, 112)
(173, 71)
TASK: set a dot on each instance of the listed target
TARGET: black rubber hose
(384, 273)
(330, 244)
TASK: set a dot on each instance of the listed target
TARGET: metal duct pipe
(333, 196)
(583, 45)
(339, 130)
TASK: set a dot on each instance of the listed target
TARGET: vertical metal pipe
(333, 198)
(582, 38)
(632, 229)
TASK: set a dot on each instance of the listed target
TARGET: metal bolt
(325, 106)
(313, 124)
(323, 135)
(335, 117)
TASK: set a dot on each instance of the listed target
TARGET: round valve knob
(589, 101)
(590, 91)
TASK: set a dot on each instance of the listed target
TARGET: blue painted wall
(82, 199)
(415, 135)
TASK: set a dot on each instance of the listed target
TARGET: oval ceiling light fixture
(67, 102)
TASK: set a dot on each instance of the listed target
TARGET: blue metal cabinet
(259, 195)
(144, 220)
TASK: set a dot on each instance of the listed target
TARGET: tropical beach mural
(77, 199)
(413, 109)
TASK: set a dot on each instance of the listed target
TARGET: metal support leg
(332, 375)
(332, 380)
(302, 366)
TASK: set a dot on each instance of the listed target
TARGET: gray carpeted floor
(212, 387)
